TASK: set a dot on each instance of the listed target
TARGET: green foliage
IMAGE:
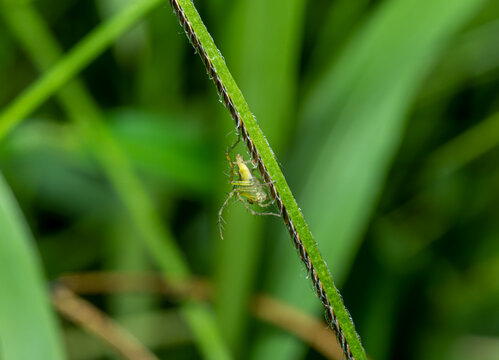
(27, 325)
(383, 117)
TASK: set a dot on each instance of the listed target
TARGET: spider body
(247, 188)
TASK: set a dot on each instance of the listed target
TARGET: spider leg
(253, 212)
(226, 202)
(268, 202)
(233, 170)
(235, 144)
(267, 183)
(271, 199)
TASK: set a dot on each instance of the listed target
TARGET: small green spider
(248, 188)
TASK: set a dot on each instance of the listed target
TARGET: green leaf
(368, 94)
(83, 110)
(28, 328)
(351, 127)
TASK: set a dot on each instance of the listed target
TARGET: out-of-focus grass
(352, 125)
(27, 324)
(81, 108)
(336, 87)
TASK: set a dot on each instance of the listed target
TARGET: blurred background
(384, 116)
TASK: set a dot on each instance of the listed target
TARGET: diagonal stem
(246, 125)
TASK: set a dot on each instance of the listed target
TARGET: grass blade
(28, 329)
(352, 124)
(93, 45)
(83, 110)
(368, 122)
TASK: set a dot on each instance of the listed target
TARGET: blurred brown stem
(306, 327)
(96, 322)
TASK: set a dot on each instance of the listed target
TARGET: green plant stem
(257, 53)
(262, 154)
(82, 109)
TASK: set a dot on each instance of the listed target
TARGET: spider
(248, 188)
